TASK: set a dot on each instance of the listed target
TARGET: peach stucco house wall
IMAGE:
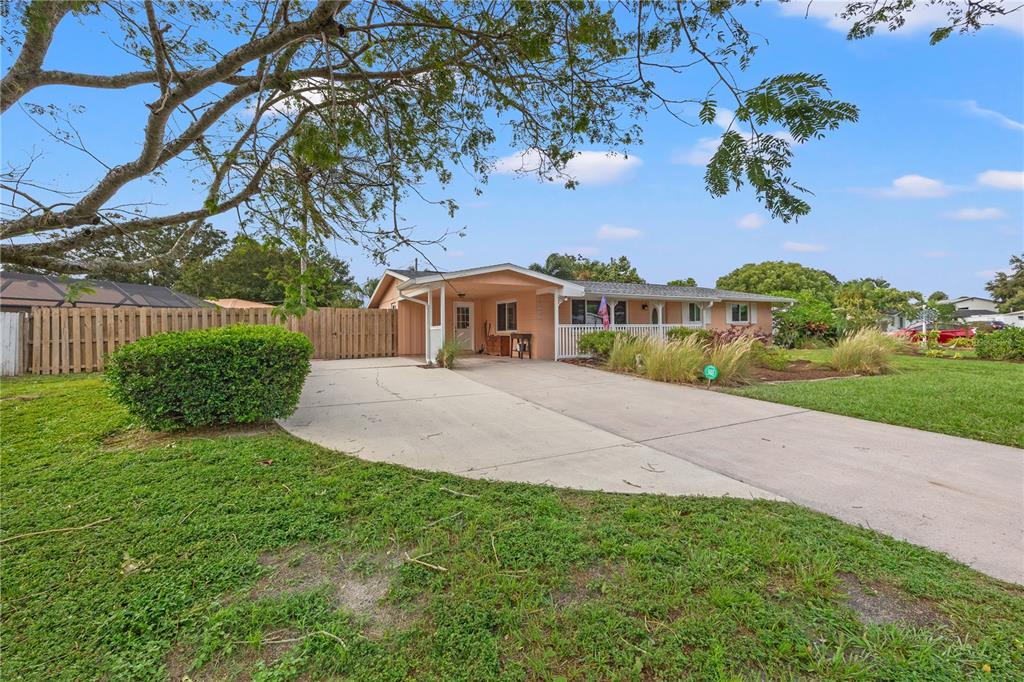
(496, 309)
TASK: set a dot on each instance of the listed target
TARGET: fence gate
(72, 340)
(11, 360)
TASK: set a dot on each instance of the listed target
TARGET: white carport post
(443, 287)
(557, 298)
(428, 320)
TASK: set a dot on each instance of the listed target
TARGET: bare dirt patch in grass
(586, 583)
(358, 586)
(239, 665)
(881, 604)
(140, 438)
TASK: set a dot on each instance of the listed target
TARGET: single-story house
(20, 292)
(499, 309)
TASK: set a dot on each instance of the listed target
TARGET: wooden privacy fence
(67, 340)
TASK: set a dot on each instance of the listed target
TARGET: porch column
(443, 287)
(428, 319)
(556, 298)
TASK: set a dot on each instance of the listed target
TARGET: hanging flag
(603, 312)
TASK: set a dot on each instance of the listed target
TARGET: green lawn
(236, 555)
(970, 398)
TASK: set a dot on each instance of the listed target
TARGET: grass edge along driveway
(978, 399)
(262, 555)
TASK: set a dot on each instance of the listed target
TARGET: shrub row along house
(504, 309)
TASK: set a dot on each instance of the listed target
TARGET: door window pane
(462, 317)
(620, 313)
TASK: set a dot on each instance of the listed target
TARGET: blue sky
(925, 190)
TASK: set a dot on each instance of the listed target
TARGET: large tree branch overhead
(372, 102)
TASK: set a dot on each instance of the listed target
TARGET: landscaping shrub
(732, 359)
(769, 357)
(673, 361)
(1002, 344)
(229, 375)
(721, 337)
(598, 344)
(447, 354)
(867, 351)
(961, 342)
(683, 333)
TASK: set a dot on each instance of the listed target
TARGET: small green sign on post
(710, 373)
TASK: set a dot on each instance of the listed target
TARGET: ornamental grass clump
(867, 351)
(229, 375)
(732, 359)
(674, 361)
(625, 353)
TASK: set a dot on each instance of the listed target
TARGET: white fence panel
(10, 343)
(569, 334)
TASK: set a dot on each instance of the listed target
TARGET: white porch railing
(568, 335)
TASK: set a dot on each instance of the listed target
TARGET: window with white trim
(585, 311)
(739, 313)
(695, 313)
(507, 316)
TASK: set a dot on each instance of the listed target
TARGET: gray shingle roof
(412, 274)
(666, 291)
(26, 289)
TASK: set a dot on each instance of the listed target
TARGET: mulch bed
(798, 370)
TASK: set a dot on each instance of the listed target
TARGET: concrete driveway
(571, 426)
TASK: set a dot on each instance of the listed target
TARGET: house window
(620, 313)
(695, 313)
(585, 312)
(507, 317)
(739, 313)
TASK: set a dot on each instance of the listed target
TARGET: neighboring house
(966, 306)
(20, 292)
(496, 308)
(236, 303)
(966, 309)
(1014, 319)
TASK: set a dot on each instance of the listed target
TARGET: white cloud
(607, 231)
(971, 107)
(988, 274)
(698, 155)
(923, 17)
(916, 187)
(588, 168)
(1002, 179)
(976, 214)
(803, 247)
(936, 254)
(751, 221)
(588, 251)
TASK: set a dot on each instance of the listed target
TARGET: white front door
(464, 325)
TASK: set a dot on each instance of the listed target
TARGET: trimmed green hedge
(229, 375)
(680, 333)
(1003, 344)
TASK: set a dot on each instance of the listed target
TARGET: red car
(947, 332)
